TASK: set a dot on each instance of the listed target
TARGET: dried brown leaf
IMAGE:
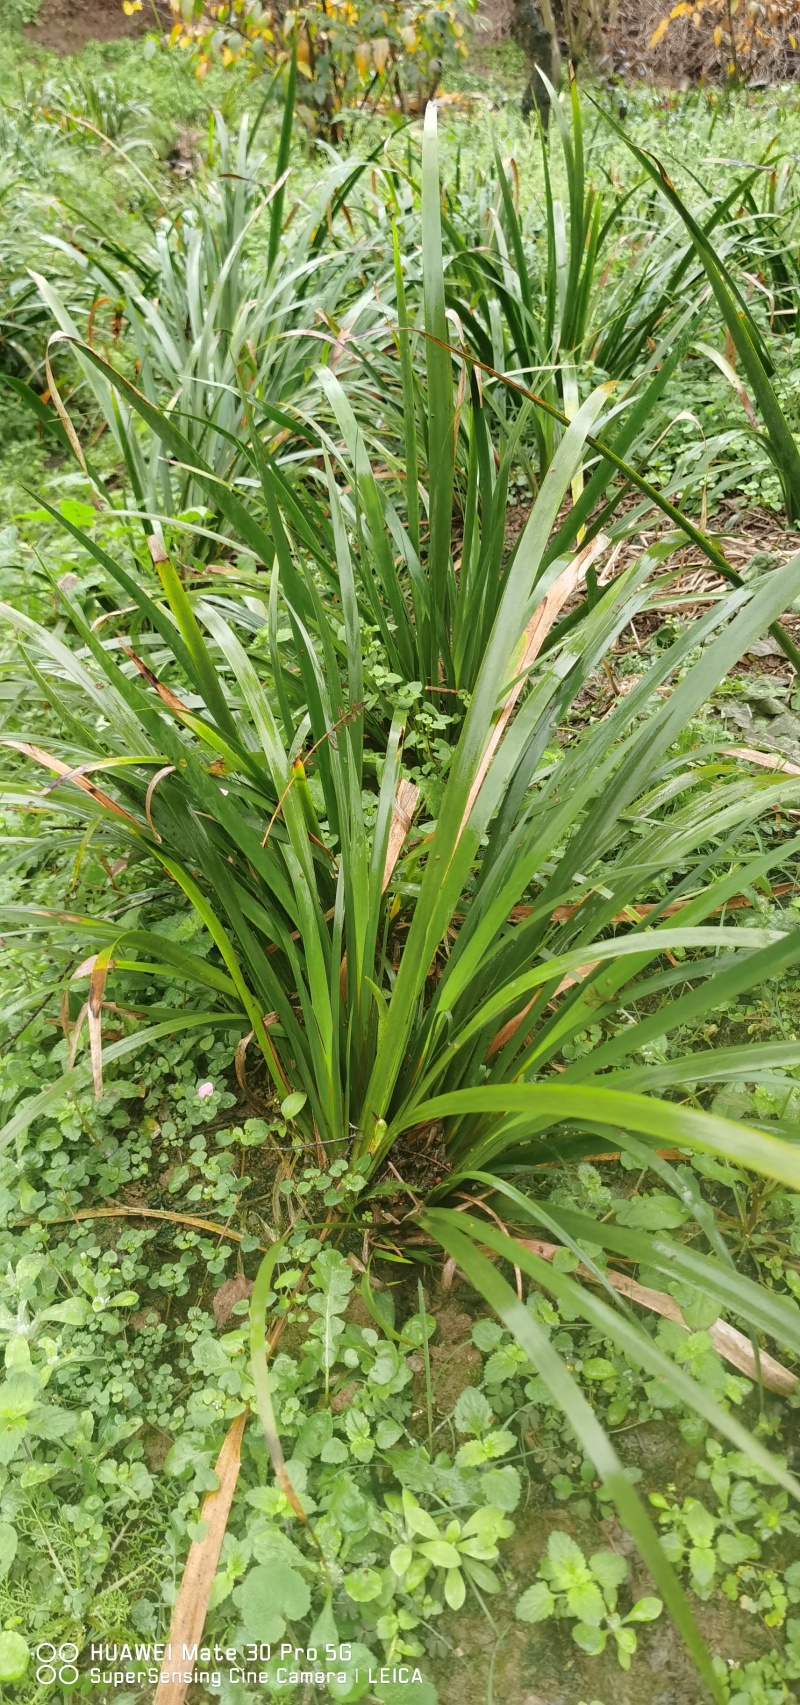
(168, 770)
(403, 808)
(533, 639)
(169, 698)
(49, 762)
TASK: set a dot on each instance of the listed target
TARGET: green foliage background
(121, 1375)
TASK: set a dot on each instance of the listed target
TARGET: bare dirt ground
(65, 26)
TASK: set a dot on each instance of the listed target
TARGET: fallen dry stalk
(768, 760)
(191, 1605)
(728, 1341)
(137, 1213)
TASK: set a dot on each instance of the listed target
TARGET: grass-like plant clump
(400, 1007)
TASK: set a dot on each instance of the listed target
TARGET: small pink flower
(204, 1089)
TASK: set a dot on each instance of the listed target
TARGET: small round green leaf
(363, 1585)
(14, 1657)
(598, 1367)
(592, 1640)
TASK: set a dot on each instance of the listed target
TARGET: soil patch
(517, 1664)
(65, 26)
